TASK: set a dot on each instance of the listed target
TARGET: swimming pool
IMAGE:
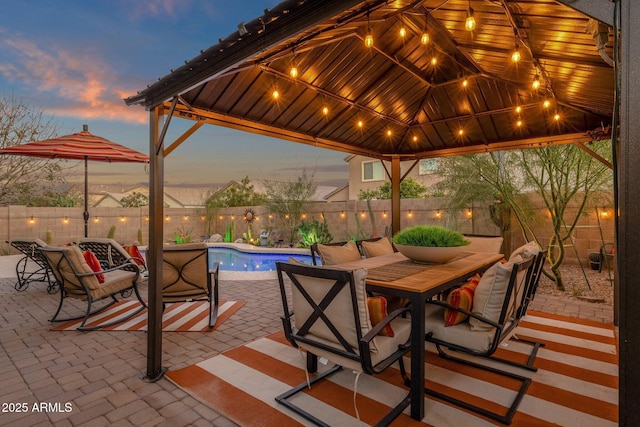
(232, 259)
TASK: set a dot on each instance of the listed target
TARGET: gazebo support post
(628, 215)
(395, 194)
(154, 249)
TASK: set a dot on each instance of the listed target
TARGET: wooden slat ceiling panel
(393, 86)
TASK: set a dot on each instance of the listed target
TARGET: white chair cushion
(460, 334)
(526, 251)
(488, 299)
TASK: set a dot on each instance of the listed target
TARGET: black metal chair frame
(503, 331)
(212, 285)
(90, 300)
(33, 266)
(342, 278)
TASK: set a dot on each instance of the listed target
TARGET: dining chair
(187, 275)
(500, 300)
(327, 314)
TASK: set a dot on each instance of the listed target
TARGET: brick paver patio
(96, 374)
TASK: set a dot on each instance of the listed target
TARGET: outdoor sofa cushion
(331, 255)
(377, 248)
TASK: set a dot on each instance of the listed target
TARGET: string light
(465, 83)
(535, 85)
(122, 219)
(293, 72)
(415, 138)
(461, 132)
(518, 109)
(425, 38)
(389, 133)
(470, 23)
(519, 122)
(360, 124)
(368, 39)
(325, 110)
(97, 220)
(546, 103)
(438, 213)
(403, 32)
(410, 214)
(515, 56)
(65, 220)
(556, 117)
(275, 94)
(469, 213)
(384, 214)
(434, 60)
(31, 220)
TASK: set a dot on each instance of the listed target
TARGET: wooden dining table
(396, 275)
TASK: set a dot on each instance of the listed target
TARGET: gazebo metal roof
(406, 105)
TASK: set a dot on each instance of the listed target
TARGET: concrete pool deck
(98, 372)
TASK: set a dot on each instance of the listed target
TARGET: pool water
(233, 260)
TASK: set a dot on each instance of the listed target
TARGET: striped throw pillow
(461, 297)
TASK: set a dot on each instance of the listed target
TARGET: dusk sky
(76, 60)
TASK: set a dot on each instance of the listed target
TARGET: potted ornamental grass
(430, 244)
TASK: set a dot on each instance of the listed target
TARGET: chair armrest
(107, 270)
(468, 313)
(365, 340)
(214, 269)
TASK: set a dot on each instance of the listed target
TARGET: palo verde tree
(287, 200)
(563, 176)
(27, 180)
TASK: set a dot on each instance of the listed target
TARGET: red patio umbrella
(79, 146)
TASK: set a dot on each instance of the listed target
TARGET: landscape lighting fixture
(470, 23)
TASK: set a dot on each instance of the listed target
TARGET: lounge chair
(33, 267)
(328, 316)
(186, 276)
(78, 280)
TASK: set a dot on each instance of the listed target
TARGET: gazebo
(415, 79)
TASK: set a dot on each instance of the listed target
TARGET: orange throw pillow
(461, 297)
(135, 253)
(377, 311)
(93, 262)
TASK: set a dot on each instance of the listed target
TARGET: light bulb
(556, 117)
(519, 122)
(470, 23)
(293, 72)
(368, 40)
(535, 85)
(389, 132)
(460, 132)
(325, 110)
(403, 32)
(434, 60)
(465, 83)
(275, 94)
(515, 56)
(546, 103)
(360, 124)
(415, 138)
(424, 39)
(518, 109)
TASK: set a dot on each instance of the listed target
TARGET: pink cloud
(82, 84)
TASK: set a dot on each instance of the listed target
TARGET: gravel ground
(577, 286)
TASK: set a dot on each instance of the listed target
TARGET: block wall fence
(345, 220)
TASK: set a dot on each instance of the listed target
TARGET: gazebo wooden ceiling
(407, 106)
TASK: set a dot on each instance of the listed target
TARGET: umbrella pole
(85, 215)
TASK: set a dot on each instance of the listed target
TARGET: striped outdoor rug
(177, 317)
(576, 383)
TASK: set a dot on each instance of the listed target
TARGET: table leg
(417, 357)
